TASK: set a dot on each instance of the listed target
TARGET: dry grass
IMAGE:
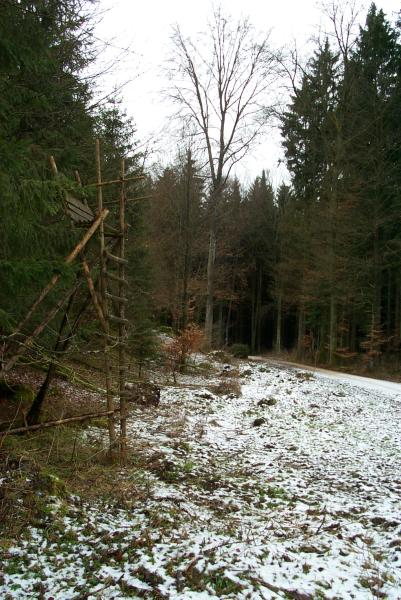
(55, 462)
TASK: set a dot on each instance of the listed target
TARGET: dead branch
(57, 422)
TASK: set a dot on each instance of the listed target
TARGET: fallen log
(57, 422)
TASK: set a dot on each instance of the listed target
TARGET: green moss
(277, 492)
(101, 422)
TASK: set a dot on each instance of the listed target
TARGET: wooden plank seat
(77, 210)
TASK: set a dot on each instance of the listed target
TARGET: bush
(240, 350)
(181, 347)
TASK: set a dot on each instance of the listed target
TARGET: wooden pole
(103, 290)
(53, 166)
(33, 415)
(58, 422)
(103, 183)
(122, 322)
(69, 259)
(37, 331)
(93, 294)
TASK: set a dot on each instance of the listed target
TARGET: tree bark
(209, 291)
(301, 332)
(332, 330)
(279, 322)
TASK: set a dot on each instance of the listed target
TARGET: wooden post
(94, 297)
(103, 290)
(121, 325)
(53, 166)
(56, 422)
(69, 259)
(35, 410)
(37, 331)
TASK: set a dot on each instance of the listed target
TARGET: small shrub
(240, 350)
(180, 348)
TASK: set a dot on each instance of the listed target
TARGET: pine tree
(314, 150)
(375, 170)
(44, 110)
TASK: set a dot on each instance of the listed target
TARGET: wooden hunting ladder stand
(108, 296)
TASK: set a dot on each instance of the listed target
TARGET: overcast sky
(144, 27)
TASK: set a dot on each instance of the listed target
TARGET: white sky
(145, 28)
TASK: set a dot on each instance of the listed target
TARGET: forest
(310, 268)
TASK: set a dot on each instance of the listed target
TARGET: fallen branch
(59, 422)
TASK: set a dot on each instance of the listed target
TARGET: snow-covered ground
(291, 490)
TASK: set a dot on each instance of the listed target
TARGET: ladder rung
(116, 298)
(112, 229)
(115, 277)
(117, 259)
(118, 319)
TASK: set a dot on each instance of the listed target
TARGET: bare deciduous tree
(221, 86)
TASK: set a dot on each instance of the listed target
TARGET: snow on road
(378, 385)
(290, 490)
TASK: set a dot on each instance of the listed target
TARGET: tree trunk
(259, 311)
(35, 410)
(332, 330)
(187, 243)
(279, 322)
(209, 292)
(301, 332)
(228, 324)
(397, 321)
(220, 332)
(253, 317)
(388, 315)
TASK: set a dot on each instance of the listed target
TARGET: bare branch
(221, 85)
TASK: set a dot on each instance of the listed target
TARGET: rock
(258, 422)
(205, 395)
(271, 401)
(384, 523)
(304, 376)
(246, 373)
(378, 521)
(227, 371)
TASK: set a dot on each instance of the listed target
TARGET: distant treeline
(314, 266)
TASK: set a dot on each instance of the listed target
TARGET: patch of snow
(308, 502)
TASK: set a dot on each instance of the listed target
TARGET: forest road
(380, 385)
